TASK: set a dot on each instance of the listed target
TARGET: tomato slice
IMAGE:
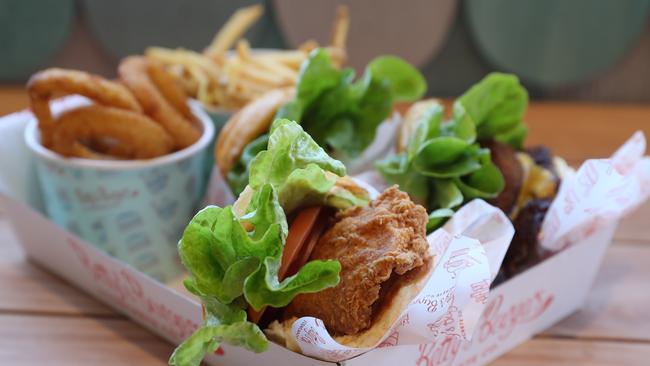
(304, 232)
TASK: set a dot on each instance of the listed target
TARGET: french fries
(234, 28)
(340, 28)
(229, 78)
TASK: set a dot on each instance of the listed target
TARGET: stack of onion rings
(144, 116)
(135, 72)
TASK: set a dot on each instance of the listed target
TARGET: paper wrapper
(468, 252)
(600, 192)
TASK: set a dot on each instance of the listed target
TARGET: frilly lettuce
(496, 105)
(233, 256)
(443, 165)
(341, 114)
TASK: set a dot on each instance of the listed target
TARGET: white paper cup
(135, 210)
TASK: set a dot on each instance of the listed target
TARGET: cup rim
(32, 140)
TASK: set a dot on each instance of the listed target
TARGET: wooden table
(45, 320)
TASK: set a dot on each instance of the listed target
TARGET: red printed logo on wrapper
(588, 176)
(459, 260)
(433, 302)
(391, 340)
(626, 157)
(621, 194)
(500, 322)
(480, 291)
(590, 227)
(443, 351)
(450, 324)
(571, 199)
(308, 334)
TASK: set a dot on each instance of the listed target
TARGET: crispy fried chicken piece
(375, 245)
(505, 158)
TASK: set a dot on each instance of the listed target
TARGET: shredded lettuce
(339, 113)
(233, 256)
(444, 165)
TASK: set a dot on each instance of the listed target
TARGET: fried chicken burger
(302, 239)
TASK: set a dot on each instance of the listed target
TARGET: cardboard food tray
(516, 309)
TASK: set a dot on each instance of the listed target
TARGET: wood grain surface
(44, 320)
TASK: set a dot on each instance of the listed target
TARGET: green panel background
(125, 27)
(555, 42)
(31, 31)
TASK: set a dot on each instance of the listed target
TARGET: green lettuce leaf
(223, 323)
(438, 217)
(342, 115)
(300, 170)
(289, 148)
(486, 182)
(397, 169)
(405, 81)
(428, 126)
(316, 76)
(447, 157)
(263, 287)
(496, 104)
(445, 194)
(514, 137)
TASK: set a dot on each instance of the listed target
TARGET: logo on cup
(103, 198)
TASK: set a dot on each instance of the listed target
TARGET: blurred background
(595, 50)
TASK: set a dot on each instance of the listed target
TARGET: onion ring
(134, 135)
(45, 85)
(133, 72)
(170, 88)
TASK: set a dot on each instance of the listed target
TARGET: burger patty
(374, 244)
(524, 251)
(505, 158)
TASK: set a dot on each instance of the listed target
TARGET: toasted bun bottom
(403, 291)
